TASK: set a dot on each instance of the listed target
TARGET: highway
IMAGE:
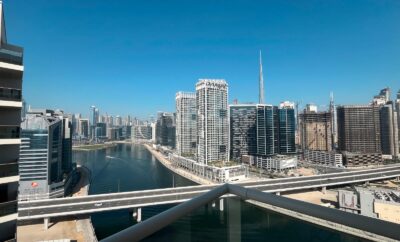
(114, 201)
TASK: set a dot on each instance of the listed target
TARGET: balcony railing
(10, 94)
(8, 208)
(9, 132)
(11, 54)
(371, 227)
(9, 169)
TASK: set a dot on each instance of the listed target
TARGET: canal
(127, 167)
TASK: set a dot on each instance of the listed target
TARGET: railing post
(46, 223)
(139, 215)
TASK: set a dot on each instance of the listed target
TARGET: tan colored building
(316, 131)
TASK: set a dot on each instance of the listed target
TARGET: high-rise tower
(186, 125)
(359, 128)
(261, 80)
(11, 72)
(212, 120)
(332, 110)
(397, 105)
(316, 129)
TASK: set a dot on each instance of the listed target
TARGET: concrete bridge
(49, 208)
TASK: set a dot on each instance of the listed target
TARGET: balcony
(9, 132)
(11, 54)
(10, 94)
(9, 135)
(10, 97)
(8, 208)
(9, 169)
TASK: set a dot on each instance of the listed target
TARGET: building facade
(166, 130)
(324, 158)
(101, 130)
(212, 120)
(45, 155)
(285, 128)
(94, 118)
(359, 129)
(243, 130)
(397, 105)
(354, 159)
(186, 125)
(11, 72)
(83, 128)
(389, 130)
(141, 132)
(315, 130)
(265, 130)
(66, 164)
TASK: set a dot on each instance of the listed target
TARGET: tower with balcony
(11, 71)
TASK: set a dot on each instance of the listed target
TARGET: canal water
(127, 167)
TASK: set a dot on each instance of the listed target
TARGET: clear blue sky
(131, 57)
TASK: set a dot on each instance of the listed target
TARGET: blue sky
(131, 57)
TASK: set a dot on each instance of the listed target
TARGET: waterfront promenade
(167, 163)
(303, 196)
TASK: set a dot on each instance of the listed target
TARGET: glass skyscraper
(45, 155)
(243, 130)
(286, 128)
(265, 130)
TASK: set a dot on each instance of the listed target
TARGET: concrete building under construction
(315, 130)
(359, 129)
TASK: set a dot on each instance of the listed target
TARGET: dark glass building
(165, 130)
(262, 130)
(67, 131)
(265, 130)
(285, 127)
(243, 130)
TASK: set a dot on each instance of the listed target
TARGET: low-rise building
(376, 203)
(324, 158)
(212, 173)
(275, 163)
(361, 159)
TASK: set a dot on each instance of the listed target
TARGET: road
(114, 201)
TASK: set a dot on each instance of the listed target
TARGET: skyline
(305, 48)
